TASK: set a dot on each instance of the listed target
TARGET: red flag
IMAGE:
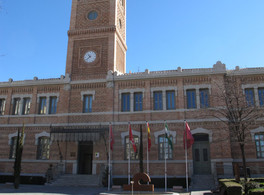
(132, 139)
(111, 137)
(189, 137)
(149, 138)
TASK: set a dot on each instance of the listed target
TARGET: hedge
(257, 191)
(231, 187)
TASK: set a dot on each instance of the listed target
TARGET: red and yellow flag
(149, 138)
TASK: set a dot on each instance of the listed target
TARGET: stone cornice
(35, 82)
(92, 30)
(246, 71)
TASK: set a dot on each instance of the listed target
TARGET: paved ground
(54, 190)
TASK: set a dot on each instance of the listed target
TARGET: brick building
(67, 118)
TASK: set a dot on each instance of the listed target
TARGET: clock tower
(97, 38)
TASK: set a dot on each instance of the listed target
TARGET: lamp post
(132, 182)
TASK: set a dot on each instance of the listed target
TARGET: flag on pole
(132, 139)
(149, 138)
(112, 141)
(167, 136)
(188, 137)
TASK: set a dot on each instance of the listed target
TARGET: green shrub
(259, 180)
(261, 184)
(257, 191)
(231, 187)
(251, 185)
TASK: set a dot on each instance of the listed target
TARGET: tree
(18, 159)
(237, 112)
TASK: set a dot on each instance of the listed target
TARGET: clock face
(89, 56)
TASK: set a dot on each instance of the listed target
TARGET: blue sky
(161, 35)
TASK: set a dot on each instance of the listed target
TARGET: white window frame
(163, 90)
(21, 97)
(255, 87)
(47, 96)
(131, 92)
(197, 92)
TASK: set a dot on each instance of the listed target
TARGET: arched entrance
(201, 154)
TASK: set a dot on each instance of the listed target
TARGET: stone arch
(42, 134)
(205, 131)
(257, 130)
(10, 136)
(162, 132)
(124, 134)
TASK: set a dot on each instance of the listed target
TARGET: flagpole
(109, 159)
(129, 157)
(165, 157)
(147, 151)
(186, 157)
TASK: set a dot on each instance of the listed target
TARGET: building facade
(67, 118)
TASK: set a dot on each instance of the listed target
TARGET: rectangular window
(249, 97)
(138, 102)
(87, 103)
(26, 106)
(125, 102)
(261, 96)
(43, 105)
(158, 100)
(43, 148)
(2, 106)
(164, 148)
(170, 100)
(259, 140)
(16, 106)
(129, 148)
(191, 99)
(13, 148)
(53, 105)
(204, 98)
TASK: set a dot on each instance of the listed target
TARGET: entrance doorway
(201, 154)
(85, 158)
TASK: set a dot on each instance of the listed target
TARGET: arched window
(43, 148)
(13, 148)
(164, 148)
(128, 144)
(259, 140)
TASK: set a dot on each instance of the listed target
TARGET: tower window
(42, 105)
(125, 102)
(261, 96)
(92, 15)
(26, 106)
(16, 106)
(138, 101)
(53, 105)
(158, 100)
(204, 98)
(87, 103)
(250, 97)
(2, 106)
(170, 100)
(120, 23)
(191, 99)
